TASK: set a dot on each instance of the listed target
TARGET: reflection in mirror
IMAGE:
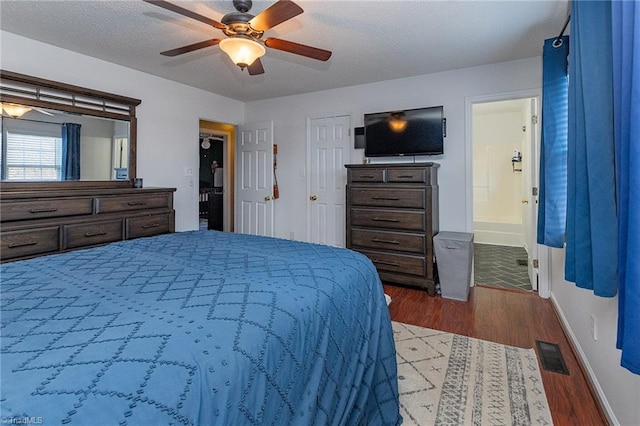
(52, 145)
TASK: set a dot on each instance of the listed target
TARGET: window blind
(32, 157)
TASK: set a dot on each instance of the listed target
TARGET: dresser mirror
(56, 135)
(32, 147)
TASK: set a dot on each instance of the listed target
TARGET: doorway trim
(228, 183)
(544, 270)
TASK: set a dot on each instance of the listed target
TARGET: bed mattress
(199, 328)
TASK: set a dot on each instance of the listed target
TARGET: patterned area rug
(447, 379)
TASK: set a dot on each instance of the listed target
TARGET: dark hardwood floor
(511, 317)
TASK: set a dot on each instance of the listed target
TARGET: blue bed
(203, 328)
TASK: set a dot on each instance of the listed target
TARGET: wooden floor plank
(510, 317)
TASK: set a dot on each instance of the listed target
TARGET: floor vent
(551, 357)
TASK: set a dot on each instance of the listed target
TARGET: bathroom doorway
(504, 134)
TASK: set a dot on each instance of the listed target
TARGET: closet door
(254, 179)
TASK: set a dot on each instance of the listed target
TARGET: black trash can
(454, 257)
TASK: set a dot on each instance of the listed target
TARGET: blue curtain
(591, 237)
(70, 151)
(552, 194)
(626, 85)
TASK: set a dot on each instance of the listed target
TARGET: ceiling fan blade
(182, 11)
(42, 111)
(191, 47)
(256, 67)
(298, 49)
(275, 14)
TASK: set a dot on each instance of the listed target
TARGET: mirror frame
(41, 93)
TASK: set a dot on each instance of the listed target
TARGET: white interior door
(329, 143)
(254, 179)
(531, 207)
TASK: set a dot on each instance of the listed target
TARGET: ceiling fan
(17, 111)
(244, 43)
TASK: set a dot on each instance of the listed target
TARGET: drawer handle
(94, 234)
(153, 225)
(378, 240)
(366, 176)
(137, 203)
(378, 219)
(45, 210)
(406, 176)
(28, 243)
(386, 263)
(386, 198)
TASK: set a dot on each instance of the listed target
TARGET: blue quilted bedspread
(203, 327)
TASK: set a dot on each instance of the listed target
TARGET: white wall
(621, 388)
(449, 89)
(497, 188)
(96, 147)
(168, 117)
(95, 158)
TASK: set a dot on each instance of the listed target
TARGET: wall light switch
(188, 171)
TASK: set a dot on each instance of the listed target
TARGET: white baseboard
(584, 363)
(498, 238)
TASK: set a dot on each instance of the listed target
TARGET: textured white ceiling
(370, 40)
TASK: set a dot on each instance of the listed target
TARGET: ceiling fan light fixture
(242, 51)
(15, 111)
(397, 123)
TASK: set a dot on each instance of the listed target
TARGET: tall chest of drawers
(35, 223)
(392, 216)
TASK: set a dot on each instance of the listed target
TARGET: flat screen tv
(419, 131)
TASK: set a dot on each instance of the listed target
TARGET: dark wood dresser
(392, 216)
(35, 222)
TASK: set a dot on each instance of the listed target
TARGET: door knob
(525, 201)
(267, 198)
(313, 197)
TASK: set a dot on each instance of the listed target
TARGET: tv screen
(417, 131)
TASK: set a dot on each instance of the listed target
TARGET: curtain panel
(591, 237)
(602, 160)
(626, 94)
(552, 190)
(70, 151)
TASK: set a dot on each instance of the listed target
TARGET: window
(31, 157)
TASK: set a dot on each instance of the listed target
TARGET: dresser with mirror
(68, 170)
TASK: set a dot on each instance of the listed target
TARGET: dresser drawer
(397, 263)
(400, 198)
(366, 175)
(146, 226)
(385, 240)
(132, 202)
(30, 242)
(409, 174)
(11, 210)
(389, 219)
(89, 234)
